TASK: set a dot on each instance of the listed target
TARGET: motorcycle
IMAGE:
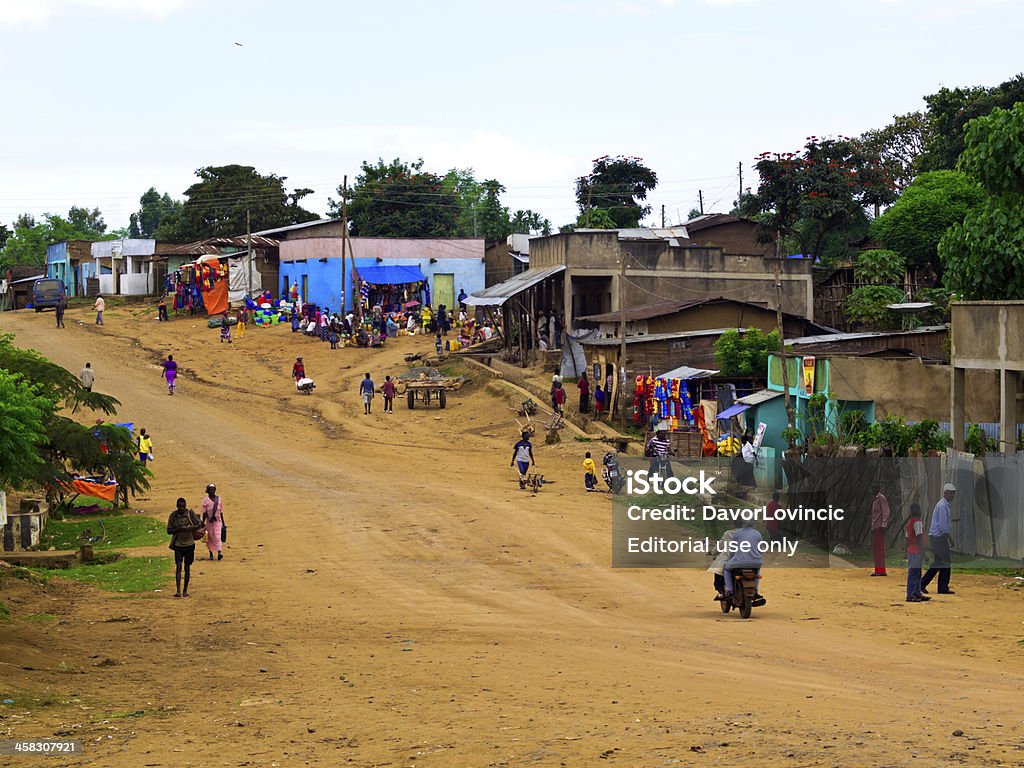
(611, 473)
(744, 596)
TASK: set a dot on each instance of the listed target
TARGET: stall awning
(391, 274)
(498, 294)
(733, 410)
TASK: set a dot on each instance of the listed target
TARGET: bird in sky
(239, 45)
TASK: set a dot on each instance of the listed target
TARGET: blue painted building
(446, 266)
(70, 261)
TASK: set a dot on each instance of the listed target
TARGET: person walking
(366, 389)
(560, 399)
(183, 525)
(584, 386)
(879, 525)
(914, 537)
(145, 445)
(298, 369)
(99, 308)
(940, 536)
(170, 373)
(87, 376)
(243, 320)
(462, 299)
(213, 520)
(161, 309)
(522, 457)
(59, 312)
(388, 390)
(599, 400)
(589, 473)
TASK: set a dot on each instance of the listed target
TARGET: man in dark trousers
(879, 525)
(59, 310)
(182, 526)
(366, 389)
(940, 536)
(584, 386)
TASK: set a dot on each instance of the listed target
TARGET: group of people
(558, 396)
(185, 528)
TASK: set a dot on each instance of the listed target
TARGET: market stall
(202, 284)
(390, 287)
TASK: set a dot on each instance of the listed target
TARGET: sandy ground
(390, 597)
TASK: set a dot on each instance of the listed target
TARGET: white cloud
(14, 12)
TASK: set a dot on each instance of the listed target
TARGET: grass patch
(114, 532)
(5, 613)
(132, 574)
(40, 617)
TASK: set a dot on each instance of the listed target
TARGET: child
(295, 321)
(522, 457)
(559, 400)
(590, 476)
(333, 338)
(438, 345)
(243, 319)
(225, 330)
(599, 399)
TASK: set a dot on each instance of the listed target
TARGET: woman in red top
(559, 398)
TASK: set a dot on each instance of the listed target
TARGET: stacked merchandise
(662, 399)
(193, 286)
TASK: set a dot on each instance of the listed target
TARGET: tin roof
(212, 246)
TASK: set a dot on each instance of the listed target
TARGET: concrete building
(71, 262)
(447, 265)
(125, 267)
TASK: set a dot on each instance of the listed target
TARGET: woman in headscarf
(213, 519)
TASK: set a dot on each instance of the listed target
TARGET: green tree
(529, 223)
(745, 354)
(5, 234)
(984, 255)
(399, 199)
(821, 191)
(495, 223)
(951, 109)
(596, 218)
(616, 185)
(86, 222)
(23, 420)
(933, 203)
(217, 205)
(31, 236)
(899, 146)
(880, 267)
(154, 210)
(868, 306)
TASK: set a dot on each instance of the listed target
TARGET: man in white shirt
(941, 539)
(98, 307)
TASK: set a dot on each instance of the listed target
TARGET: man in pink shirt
(879, 524)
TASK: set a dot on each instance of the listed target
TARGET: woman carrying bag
(213, 520)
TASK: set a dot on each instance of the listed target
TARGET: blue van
(47, 292)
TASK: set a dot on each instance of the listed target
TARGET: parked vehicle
(612, 473)
(47, 292)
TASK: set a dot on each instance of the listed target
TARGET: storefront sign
(809, 375)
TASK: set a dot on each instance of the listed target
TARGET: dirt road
(390, 597)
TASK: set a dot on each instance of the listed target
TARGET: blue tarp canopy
(733, 410)
(390, 274)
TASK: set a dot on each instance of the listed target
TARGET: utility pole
(663, 217)
(248, 239)
(740, 198)
(782, 335)
(620, 373)
(700, 196)
(344, 237)
(590, 194)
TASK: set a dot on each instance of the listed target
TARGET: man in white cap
(941, 539)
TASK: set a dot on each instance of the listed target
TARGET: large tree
(812, 195)
(529, 223)
(949, 111)
(984, 256)
(217, 205)
(154, 210)
(616, 185)
(915, 224)
(399, 199)
(27, 245)
(899, 146)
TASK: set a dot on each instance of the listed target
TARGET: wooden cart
(426, 392)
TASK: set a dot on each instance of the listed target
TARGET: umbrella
(411, 304)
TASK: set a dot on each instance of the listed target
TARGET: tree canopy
(915, 224)
(616, 185)
(217, 205)
(825, 188)
(984, 255)
(27, 244)
(154, 210)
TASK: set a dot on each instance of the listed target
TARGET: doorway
(444, 289)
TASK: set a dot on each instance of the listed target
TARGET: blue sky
(105, 98)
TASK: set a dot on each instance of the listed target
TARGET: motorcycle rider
(722, 554)
(749, 556)
(658, 449)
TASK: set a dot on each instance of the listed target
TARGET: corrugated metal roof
(615, 341)
(836, 337)
(291, 227)
(686, 372)
(498, 294)
(647, 311)
(212, 246)
(759, 397)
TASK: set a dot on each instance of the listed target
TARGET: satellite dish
(910, 307)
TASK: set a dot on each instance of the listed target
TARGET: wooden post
(620, 372)
(782, 337)
(344, 237)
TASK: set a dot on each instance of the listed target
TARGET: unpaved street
(389, 597)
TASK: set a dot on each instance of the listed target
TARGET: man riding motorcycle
(747, 555)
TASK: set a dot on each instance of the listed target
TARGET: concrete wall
(988, 334)
(911, 389)
(320, 259)
(732, 237)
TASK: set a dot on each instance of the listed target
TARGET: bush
(868, 306)
(880, 267)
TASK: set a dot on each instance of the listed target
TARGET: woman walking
(213, 519)
(170, 373)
